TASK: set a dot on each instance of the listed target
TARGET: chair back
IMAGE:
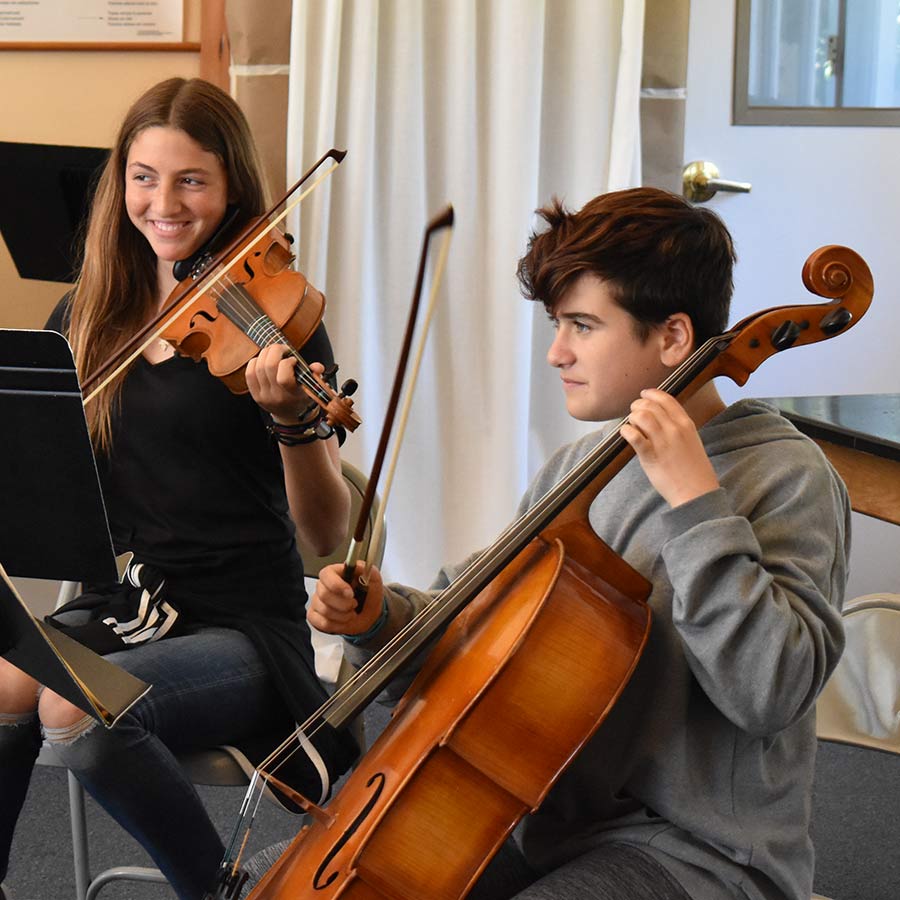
(860, 704)
(357, 483)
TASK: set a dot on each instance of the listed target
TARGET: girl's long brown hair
(116, 291)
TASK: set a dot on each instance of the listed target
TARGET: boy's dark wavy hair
(659, 255)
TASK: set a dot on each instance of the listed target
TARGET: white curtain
(494, 106)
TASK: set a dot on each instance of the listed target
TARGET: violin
(229, 305)
(253, 302)
(537, 639)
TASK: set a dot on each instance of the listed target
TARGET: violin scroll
(337, 408)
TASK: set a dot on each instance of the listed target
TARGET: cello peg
(837, 320)
(785, 335)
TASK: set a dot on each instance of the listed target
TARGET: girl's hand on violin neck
(669, 449)
(270, 378)
(332, 608)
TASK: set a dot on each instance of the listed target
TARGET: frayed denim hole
(71, 733)
(17, 719)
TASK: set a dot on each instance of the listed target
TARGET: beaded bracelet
(311, 427)
(292, 435)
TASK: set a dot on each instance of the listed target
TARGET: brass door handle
(700, 181)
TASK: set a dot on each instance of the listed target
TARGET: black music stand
(47, 191)
(55, 523)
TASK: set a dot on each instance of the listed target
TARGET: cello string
(511, 537)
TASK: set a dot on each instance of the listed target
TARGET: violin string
(204, 284)
(510, 540)
(240, 308)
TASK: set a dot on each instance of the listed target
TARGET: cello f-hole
(379, 779)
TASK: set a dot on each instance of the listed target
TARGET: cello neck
(834, 272)
(574, 492)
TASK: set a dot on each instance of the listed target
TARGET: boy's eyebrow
(576, 315)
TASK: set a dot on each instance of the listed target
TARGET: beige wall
(261, 50)
(74, 98)
(662, 103)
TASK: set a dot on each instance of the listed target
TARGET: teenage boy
(698, 783)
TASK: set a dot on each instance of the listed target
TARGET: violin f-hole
(201, 314)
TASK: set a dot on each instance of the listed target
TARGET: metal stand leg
(79, 837)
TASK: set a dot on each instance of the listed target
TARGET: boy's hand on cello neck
(669, 449)
(332, 608)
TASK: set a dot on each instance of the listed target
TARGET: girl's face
(175, 191)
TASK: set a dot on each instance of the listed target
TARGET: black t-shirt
(194, 485)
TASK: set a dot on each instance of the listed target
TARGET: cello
(540, 635)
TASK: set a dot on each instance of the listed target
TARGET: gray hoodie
(706, 760)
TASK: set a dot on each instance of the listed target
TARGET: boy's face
(603, 364)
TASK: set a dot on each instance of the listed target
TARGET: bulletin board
(92, 25)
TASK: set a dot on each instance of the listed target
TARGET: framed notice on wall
(116, 24)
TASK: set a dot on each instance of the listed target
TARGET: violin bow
(230, 875)
(444, 220)
(217, 267)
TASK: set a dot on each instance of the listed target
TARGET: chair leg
(87, 888)
(80, 852)
(124, 873)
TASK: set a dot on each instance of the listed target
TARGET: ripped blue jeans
(209, 688)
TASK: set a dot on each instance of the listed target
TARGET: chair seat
(221, 766)
(215, 766)
(218, 766)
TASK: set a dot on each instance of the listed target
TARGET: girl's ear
(677, 334)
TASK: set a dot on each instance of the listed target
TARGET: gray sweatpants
(609, 872)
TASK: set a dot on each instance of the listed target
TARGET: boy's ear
(677, 334)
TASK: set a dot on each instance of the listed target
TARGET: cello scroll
(834, 272)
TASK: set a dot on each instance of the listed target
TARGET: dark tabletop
(866, 422)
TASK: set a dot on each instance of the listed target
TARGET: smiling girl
(198, 489)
